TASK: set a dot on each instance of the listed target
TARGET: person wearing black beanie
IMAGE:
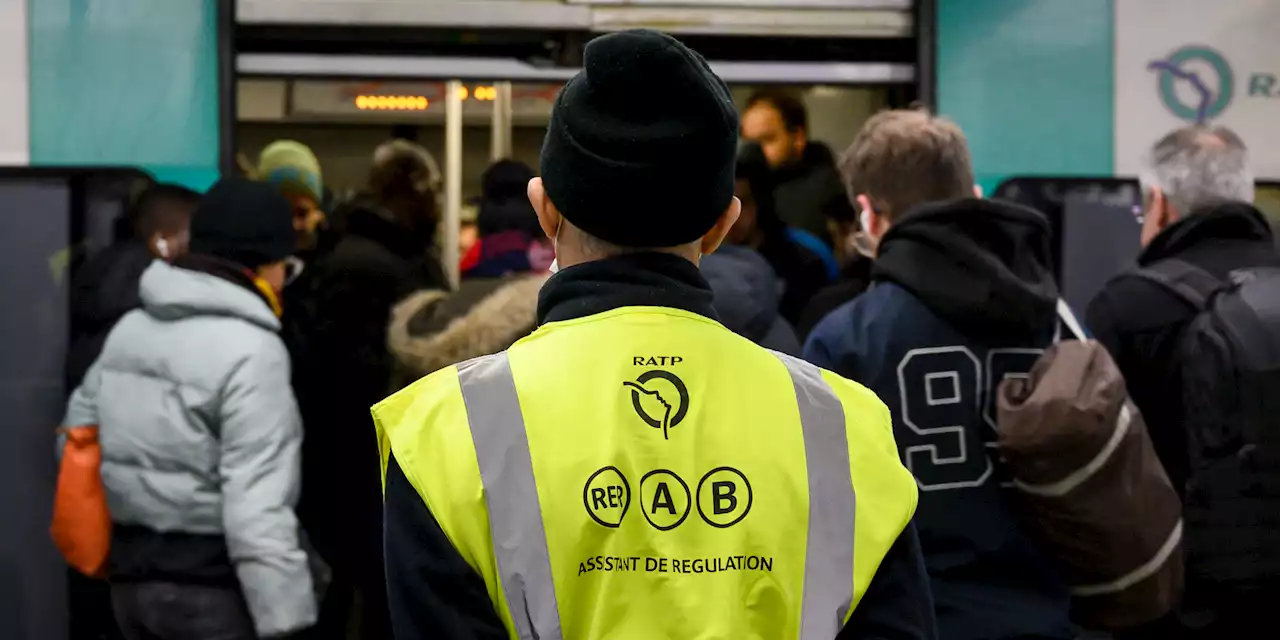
(547, 491)
(243, 231)
(640, 148)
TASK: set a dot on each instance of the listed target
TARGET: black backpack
(1229, 361)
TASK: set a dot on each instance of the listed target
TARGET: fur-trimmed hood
(433, 329)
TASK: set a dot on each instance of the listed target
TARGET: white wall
(14, 122)
(1244, 33)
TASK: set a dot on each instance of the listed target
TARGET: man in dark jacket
(963, 296)
(809, 192)
(1196, 192)
(106, 287)
(342, 367)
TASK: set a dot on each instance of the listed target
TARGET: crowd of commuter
(229, 348)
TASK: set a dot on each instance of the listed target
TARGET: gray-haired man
(1197, 190)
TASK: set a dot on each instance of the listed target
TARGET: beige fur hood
(433, 329)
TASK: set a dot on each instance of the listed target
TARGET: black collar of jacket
(646, 279)
(224, 269)
(1230, 221)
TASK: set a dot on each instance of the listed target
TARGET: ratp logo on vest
(1196, 83)
(660, 398)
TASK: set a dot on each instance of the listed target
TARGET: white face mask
(863, 242)
(555, 263)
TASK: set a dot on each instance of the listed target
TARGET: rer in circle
(724, 497)
(607, 496)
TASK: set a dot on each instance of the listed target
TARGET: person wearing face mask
(201, 437)
(633, 468)
(963, 295)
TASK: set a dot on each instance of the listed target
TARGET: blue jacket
(963, 296)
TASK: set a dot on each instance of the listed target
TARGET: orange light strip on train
(420, 103)
(392, 103)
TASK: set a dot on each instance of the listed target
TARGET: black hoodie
(103, 290)
(983, 266)
(963, 296)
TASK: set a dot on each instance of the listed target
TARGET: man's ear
(1157, 216)
(548, 216)
(713, 238)
(868, 219)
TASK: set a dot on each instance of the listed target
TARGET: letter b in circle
(724, 497)
(664, 499)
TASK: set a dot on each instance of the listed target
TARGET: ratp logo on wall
(1197, 84)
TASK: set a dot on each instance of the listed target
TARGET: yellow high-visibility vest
(646, 473)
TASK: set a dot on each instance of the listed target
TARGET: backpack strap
(1068, 319)
(1190, 283)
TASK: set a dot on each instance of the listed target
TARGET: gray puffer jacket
(200, 440)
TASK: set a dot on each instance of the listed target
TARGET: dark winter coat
(963, 295)
(747, 293)
(337, 315)
(1140, 323)
(103, 291)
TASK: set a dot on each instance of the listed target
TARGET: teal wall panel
(126, 82)
(1031, 82)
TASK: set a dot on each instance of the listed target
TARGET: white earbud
(864, 219)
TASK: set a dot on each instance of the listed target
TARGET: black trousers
(169, 611)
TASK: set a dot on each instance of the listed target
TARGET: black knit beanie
(641, 143)
(248, 223)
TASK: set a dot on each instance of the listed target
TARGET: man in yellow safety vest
(633, 469)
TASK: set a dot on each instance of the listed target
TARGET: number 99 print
(949, 409)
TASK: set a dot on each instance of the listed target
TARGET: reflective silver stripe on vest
(515, 517)
(828, 563)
